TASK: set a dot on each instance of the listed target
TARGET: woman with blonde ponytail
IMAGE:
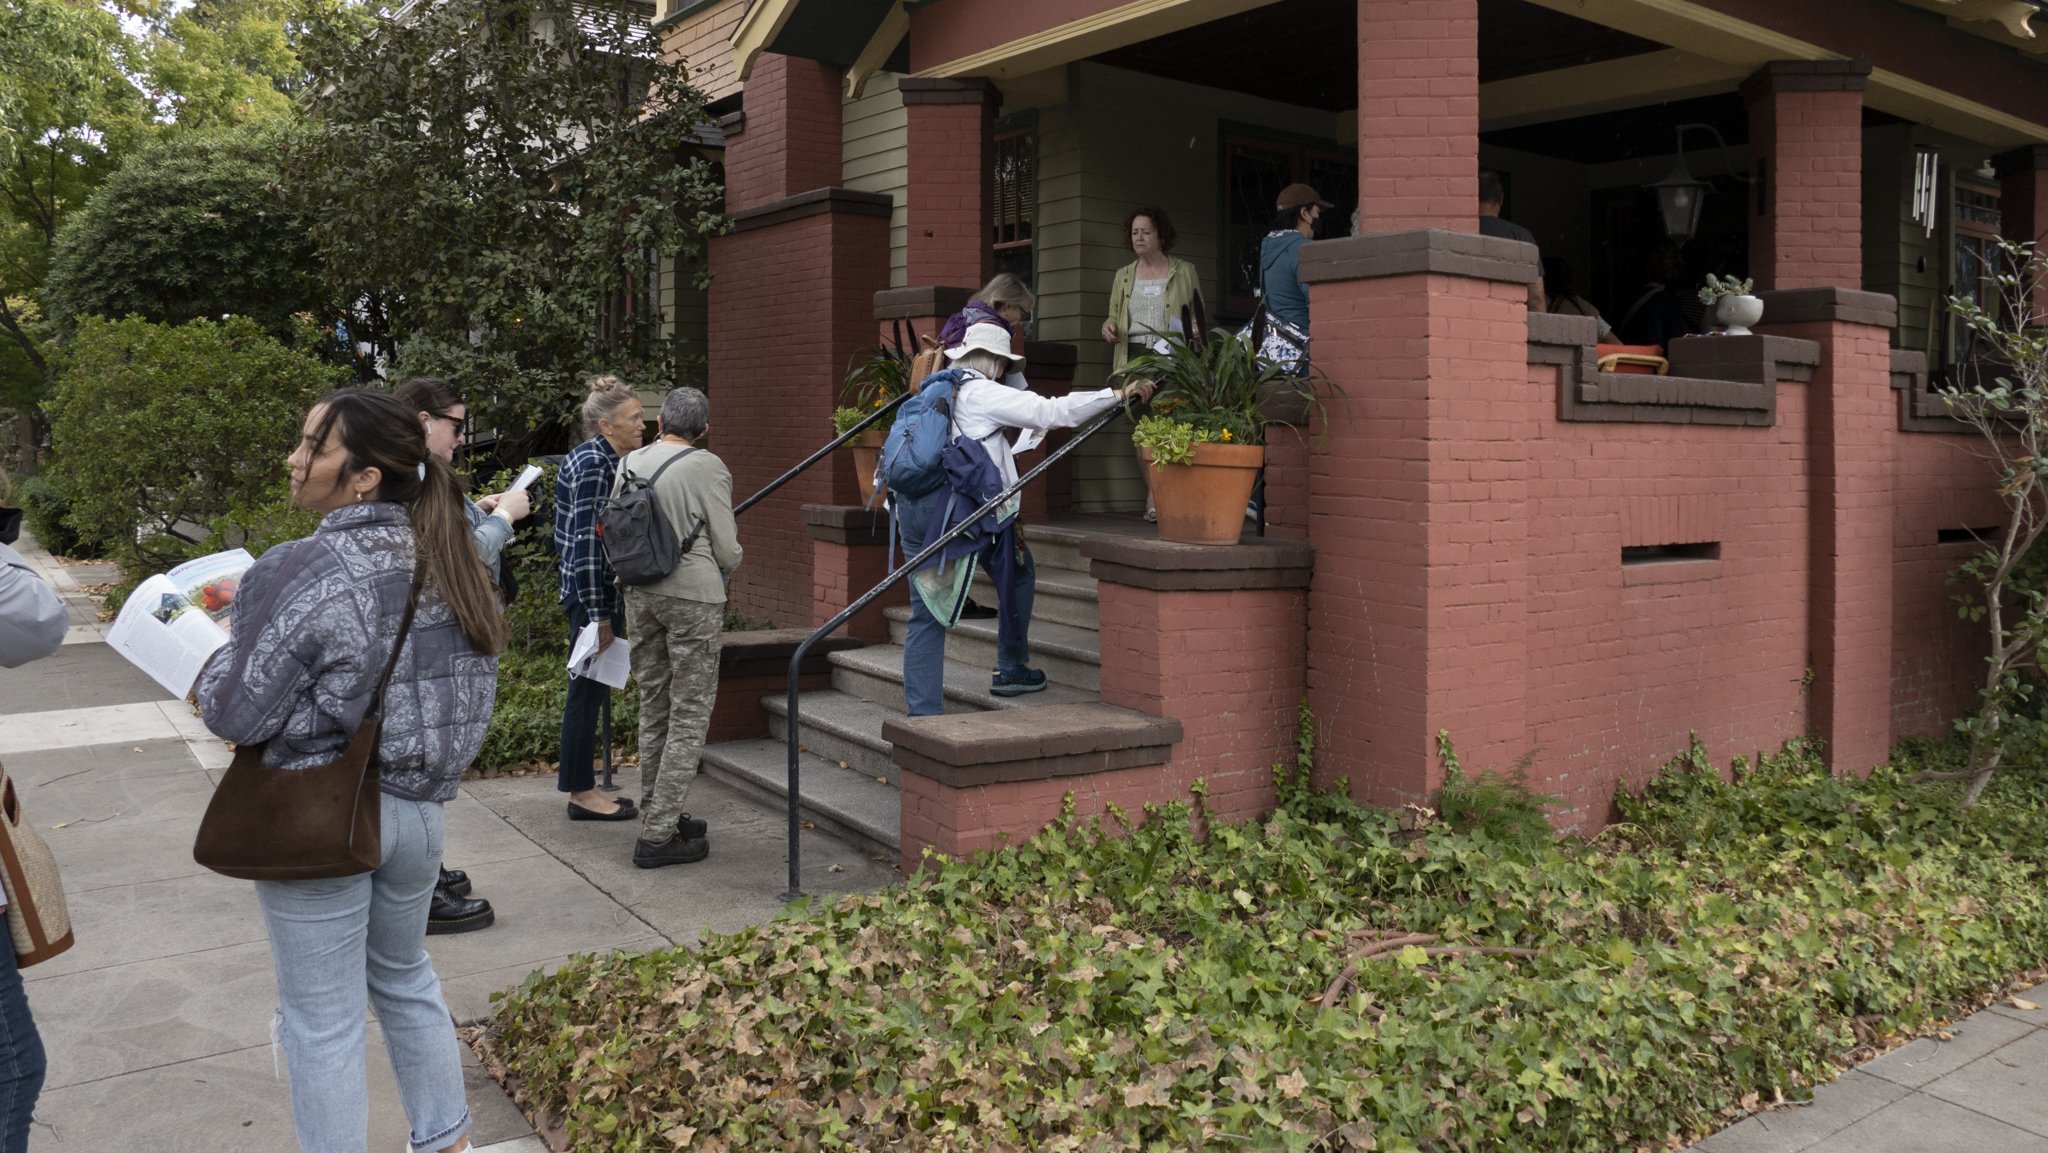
(313, 628)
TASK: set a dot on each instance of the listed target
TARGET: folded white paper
(613, 666)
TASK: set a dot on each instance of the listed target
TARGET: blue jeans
(343, 946)
(581, 715)
(21, 1058)
(1007, 560)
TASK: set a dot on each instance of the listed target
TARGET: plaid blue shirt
(582, 486)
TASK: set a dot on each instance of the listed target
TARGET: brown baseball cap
(1300, 196)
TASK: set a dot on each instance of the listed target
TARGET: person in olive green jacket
(676, 624)
(1147, 298)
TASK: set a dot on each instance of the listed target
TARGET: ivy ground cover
(1317, 981)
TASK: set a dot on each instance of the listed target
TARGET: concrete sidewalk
(1985, 1091)
(157, 1021)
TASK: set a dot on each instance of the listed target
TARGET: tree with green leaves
(69, 107)
(2007, 581)
(493, 187)
(171, 441)
(194, 225)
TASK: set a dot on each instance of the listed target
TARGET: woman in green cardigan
(1147, 298)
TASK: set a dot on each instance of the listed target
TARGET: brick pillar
(947, 200)
(1806, 143)
(1852, 422)
(1418, 115)
(793, 300)
(849, 556)
(1418, 506)
(2023, 202)
(1213, 637)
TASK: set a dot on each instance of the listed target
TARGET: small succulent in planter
(1735, 308)
(1717, 287)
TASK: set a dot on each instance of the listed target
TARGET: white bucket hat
(985, 337)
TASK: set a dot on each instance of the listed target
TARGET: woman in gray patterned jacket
(312, 629)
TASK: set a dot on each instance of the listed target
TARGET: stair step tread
(964, 684)
(855, 802)
(1051, 582)
(1050, 637)
(842, 714)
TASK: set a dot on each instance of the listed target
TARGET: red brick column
(1852, 423)
(1216, 638)
(1806, 143)
(1418, 115)
(790, 138)
(793, 299)
(1418, 506)
(849, 556)
(947, 200)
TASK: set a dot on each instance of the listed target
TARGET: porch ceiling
(1304, 52)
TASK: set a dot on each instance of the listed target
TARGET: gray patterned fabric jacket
(312, 627)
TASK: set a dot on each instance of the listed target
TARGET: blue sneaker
(1017, 682)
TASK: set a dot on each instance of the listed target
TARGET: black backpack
(638, 541)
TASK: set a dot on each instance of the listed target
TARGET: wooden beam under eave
(1630, 82)
(1717, 36)
(1112, 28)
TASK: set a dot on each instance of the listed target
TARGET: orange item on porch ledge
(1641, 359)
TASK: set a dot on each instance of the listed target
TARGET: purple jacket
(976, 312)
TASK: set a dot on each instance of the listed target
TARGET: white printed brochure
(174, 621)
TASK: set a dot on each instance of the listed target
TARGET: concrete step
(1055, 547)
(1068, 655)
(839, 727)
(875, 673)
(1064, 597)
(853, 807)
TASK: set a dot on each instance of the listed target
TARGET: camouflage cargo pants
(675, 659)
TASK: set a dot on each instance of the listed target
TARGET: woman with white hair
(984, 410)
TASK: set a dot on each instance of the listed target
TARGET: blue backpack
(911, 463)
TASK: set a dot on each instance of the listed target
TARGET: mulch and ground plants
(1326, 979)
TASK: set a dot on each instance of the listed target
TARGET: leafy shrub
(171, 441)
(48, 513)
(1147, 990)
(533, 683)
(193, 225)
(1490, 804)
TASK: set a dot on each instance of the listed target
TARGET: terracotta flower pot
(867, 452)
(1202, 502)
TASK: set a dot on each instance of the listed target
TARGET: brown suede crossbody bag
(267, 824)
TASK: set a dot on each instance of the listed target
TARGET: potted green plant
(875, 377)
(1735, 309)
(1205, 439)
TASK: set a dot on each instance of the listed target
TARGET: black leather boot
(455, 881)
(677, 850)
(452, 914)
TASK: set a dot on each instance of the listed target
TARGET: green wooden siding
(874, 155)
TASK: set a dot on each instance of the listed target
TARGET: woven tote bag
(37, 918)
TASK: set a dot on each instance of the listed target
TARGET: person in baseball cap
(1295, 213)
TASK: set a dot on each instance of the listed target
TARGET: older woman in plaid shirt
(589, 591)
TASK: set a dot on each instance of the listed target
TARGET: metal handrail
(931, 550)
(819, 455)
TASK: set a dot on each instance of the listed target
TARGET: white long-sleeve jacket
(984, 408)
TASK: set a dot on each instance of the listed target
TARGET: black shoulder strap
(649, 483)
(412, 602)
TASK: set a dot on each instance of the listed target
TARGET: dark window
(1015, 199)
(1255, 168)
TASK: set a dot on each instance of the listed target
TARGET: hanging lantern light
(1680, 197)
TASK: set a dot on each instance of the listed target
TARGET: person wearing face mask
(443, 415)
(1149, 299)
(1296, 212)
(389, 584)
(589, 589)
